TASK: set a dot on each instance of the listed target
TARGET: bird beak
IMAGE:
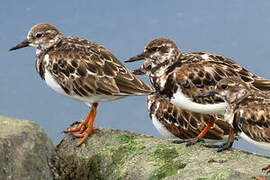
(137, 57)
(207, 94)
(23, 44)
(138, 72)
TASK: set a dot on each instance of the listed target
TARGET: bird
(181, 125)
(248, 111)
(82, 70)
(181, 76)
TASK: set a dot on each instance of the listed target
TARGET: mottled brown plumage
(85, 68)
(248, 111)
(81, 69)
(183, 124)
(193, 72)
(181, 77)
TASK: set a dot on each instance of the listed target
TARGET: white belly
(162, 129)
(51, 82)
(179, 99)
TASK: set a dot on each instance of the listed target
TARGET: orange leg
(90, 128)
(206, 129)
(227, 145)
(82, 126)
(200, 136)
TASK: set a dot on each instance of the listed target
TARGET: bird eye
(224, 86)
(148, 67)
(38, 35)
(153, 48)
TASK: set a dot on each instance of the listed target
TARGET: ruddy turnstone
(82, 70)
(181, 125)
(248, 111)
(175, 123)
(180, 77)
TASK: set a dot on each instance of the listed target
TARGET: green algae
(166, 170)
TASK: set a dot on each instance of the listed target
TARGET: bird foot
(81, 127)
(178, 141)
(84, 135)
(189, 142)
(221, 147)
(194, 141)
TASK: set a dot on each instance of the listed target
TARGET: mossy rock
(114, 154)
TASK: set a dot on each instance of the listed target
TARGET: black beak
(137, 58)
(138, 72)
(23, 44)
(207, 94)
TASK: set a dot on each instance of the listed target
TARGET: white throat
(184, 102)
(38, 51)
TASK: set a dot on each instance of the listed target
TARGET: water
(238, 29)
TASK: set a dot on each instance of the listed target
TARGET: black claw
(75, 123)
(212, 145)
(221, 147)
(178, 141)
(193, 141)
(224, 147)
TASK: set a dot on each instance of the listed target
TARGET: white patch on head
(170, 53)
(205, 56)
(150, 60)
(264, 145)
(33, 45)
(179, 99)
(50, 31)
(28, 35)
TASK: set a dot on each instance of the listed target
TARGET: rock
(25, 150)
(28, 153)
(115, 154)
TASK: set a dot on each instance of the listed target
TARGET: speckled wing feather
(184, 124)
(86, 68)
(252, 117)
(197, 74)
